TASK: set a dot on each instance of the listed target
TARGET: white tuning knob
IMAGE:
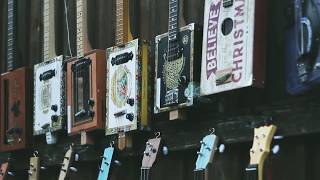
(73, 169)
(76, 157)
(276, 149)
(165, 150)
(222, 148)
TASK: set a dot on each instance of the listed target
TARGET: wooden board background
(233, 114)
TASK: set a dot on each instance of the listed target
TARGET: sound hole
(227, 26)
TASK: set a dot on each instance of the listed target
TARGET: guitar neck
(252, 173)
(11, 40)
(122, 34)
(83, 44)
(199, 175)
(145, 174)
(48, 30)
(173, 20)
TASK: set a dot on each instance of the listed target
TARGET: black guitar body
(186, 76)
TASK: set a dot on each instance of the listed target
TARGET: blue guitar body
(302, 46)
(106, 163)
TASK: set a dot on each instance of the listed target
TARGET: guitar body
(49, 99)
(106, 163)
(123, 94)
(15, 109)
(302, 46)
(3, 170)
(176, 80)
(233, 47)
(85, 88)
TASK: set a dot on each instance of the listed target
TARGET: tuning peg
(73, 169)
(222, 148)
(54, 108)
(148, 143)
(278, 137)
(11, 173)
(76, 157)
(146, 153)
(30, 172)
(202, 143)
(199, 153)
(117, 162)
(130, 101)
(165, 150)
(43, 167)
(275, 149)
(91, 102)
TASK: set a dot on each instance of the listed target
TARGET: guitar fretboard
(173, 19)
(199, 175)
(145, 173)
(80, 22)
(119, 22)
(252, 172)
(48, 30)
(10, 35)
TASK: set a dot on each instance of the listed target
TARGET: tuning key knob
(199, 153)
(54, 118)
(222, 148)
(202, 143)
(130, 116)
(117, 162)
(91, 102)
(73, 169)
(130, 101)
(276, 149)
(54, 108)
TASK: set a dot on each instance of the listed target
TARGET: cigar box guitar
(49, 82)
(149, 157)
(302, 46)
(205, 156)
(15, 93)
(86, 81)
(127, 79)
(177, 65)
(260, 149)
(233, 48)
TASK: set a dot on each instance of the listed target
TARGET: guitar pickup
(122, 58)
(120, 113)
(15, 130)
(47, 75)
(227, 3)
(82, 63)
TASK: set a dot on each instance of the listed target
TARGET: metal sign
(228, 45)
(123, 87)
(49, 99)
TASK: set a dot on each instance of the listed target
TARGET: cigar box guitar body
(127, 94)
(176, 64)
(86, 81)
(49, 81)
(233, 53)
(302, 46)
(15, 94)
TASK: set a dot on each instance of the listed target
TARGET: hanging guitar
(85, 81)
(106, 163)
(302, 46)
(127, 80)
(259, 151)
(65, 166)
(205, 155)
(49, 82)
(177, 64)
(233, 54)
(16, 93)
(34, 169)
(150, 156)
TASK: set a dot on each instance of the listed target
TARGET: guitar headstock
(205, 155)
(150, 153)
(66, 164)
(34, 168)
(4, 170)
(261, 143)
(106, 163)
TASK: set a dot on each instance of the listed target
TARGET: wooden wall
(233, 114)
